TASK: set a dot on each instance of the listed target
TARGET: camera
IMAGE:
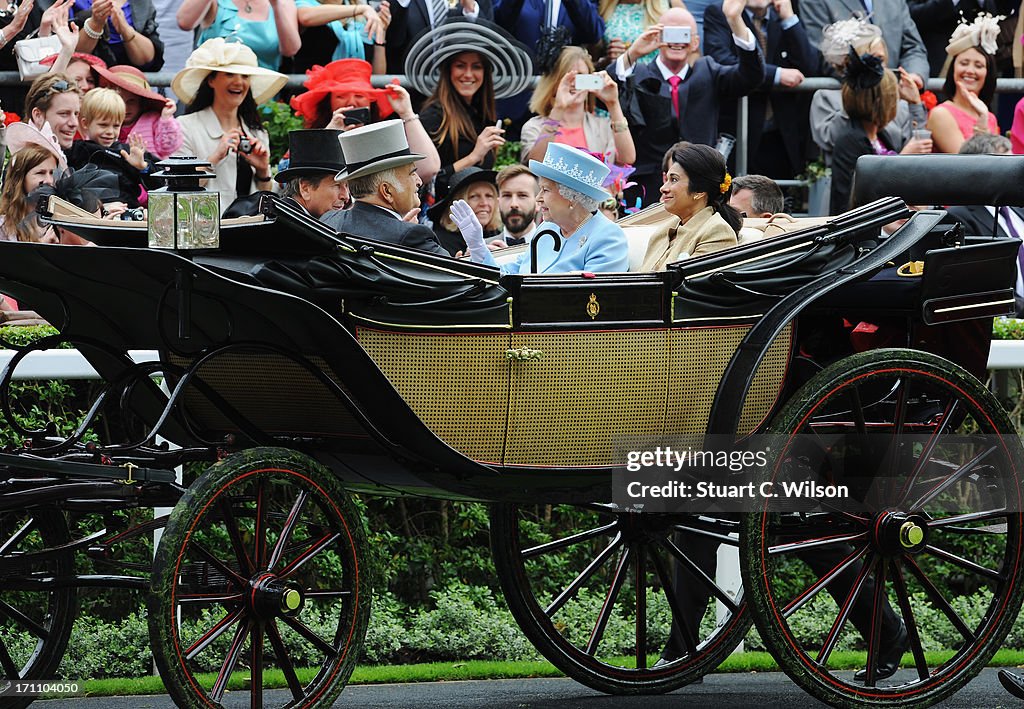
(675, 35)
(244, 145)
(589, 82)
(133, 215)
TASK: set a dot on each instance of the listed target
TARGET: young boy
(100, 123)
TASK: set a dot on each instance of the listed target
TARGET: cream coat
(200, 133)
(705, 233)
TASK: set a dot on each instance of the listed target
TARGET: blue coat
(524, 19)
(599, 246)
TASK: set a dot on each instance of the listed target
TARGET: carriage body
(405, 373)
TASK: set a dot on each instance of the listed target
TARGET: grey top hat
(375, 148)
(313, 152)
(511, 63)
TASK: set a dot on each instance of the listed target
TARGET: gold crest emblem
(593, 307)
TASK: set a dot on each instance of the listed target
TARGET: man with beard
(517, 204)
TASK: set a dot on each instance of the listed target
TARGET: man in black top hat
(315, 159)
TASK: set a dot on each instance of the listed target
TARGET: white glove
(469, 226)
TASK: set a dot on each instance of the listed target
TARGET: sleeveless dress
(966, 122)
(260, 37)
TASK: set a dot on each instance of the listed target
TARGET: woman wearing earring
(575, 235)
(696, 191)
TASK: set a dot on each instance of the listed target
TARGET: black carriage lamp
(184, 215)
(546, 231)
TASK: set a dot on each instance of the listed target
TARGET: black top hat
(466, 176)
(313, 152)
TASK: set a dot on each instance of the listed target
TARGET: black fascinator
(86, 188)
(863, 71)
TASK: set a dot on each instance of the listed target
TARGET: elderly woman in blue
(570, 193)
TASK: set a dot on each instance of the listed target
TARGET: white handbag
(31, 52)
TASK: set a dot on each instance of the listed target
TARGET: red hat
(133, 81)
(93, 61)
(341, 76)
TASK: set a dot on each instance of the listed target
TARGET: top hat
(217, 54)
(375, 148)
(313, 152)
(573, 168)
(341, 77)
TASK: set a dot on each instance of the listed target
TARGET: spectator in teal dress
(268, 27)
(356, 31)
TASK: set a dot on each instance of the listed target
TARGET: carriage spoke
(965, 563)
(815, 588)
(320, 545)
(256, 666)
(11, 670)
(325, 593)
(24, 621)
(678, 617)
(699, 574)
(874, 637)
(235, 535)
(212, 634)
(210, 598)
(302, 629)
(16, 538)
(230, 661)
(928, 449)
(220, 565)
(582, 577)
(723, 538)
(948, 482)
(557, 544)
(1001, 513)
(640, 575)
(844, 612)
(938, 601)
(791, 547)
(260, 531)
(286, 531)
(283, 661)
(907, 611)
(609, 601)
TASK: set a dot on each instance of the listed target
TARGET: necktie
(762, 41)
(675, 81)
(1010, 229)
(438, 11)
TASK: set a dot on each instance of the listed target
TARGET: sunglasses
(59, 87)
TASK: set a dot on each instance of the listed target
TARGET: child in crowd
(103, 112)
(147, 114)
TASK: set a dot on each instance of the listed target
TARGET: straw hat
(511, 63)
(229, 57)
(341, 76)
(375, 148)
(573, 168)
(21, 134)
(312, 152)
(134, 82)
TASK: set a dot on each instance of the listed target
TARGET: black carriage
(305, 365)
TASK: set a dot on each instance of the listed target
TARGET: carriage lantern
(184, 215)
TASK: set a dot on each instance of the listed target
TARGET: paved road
(766, 690)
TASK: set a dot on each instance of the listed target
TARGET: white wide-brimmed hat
(573, 168)
(511, 63)
(231, 58)
(21, 134)
(375, 148)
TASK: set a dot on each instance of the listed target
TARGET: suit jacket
(525, 18)
(646, 101)
(408, 22)
(892, 16)
(372, 222)
(788, 48)
(851, 143)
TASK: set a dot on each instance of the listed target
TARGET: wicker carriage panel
(569, 408)
(456, 383)
(277, 394)
(699, 357)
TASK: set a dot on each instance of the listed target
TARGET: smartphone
(589, 82)
(675, 35)
(357, 116)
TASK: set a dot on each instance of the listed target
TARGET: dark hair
(988, 90)
(705, 169)
(247, 111)
(765, 195)
(456, 121)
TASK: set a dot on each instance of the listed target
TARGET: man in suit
(676, 97)
(381, 175)
(409, 18)
(315, 158)
(904, 42)
(777, 126)
(527, 19)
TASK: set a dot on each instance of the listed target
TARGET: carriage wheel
(570, 576)
(930, 536)
(259, 573)
(35, 620)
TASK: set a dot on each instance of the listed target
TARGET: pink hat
(21, 134)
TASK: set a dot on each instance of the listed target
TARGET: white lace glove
(469, 226)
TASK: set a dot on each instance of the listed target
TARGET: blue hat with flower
(573, 168)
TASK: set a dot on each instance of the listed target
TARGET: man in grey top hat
(314, 158)
(381, 176)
